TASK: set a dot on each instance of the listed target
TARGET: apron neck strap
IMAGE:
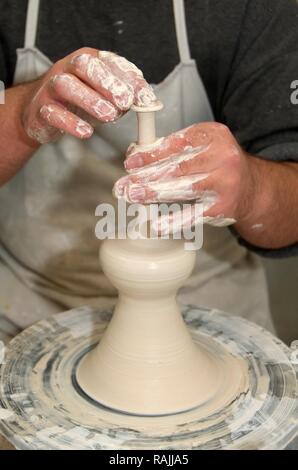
(31, 23)
(180, 24)
(181, 31)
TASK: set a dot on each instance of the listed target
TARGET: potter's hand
(88, 82)
(201, 163)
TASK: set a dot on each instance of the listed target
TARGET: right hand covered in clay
(100, 84)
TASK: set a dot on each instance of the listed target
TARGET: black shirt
(246, 52)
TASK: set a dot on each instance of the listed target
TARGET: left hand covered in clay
(203, 163)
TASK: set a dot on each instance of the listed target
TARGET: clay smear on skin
(102, 109)
(173, 222)
(83, 129)
(98, 72)
(123, 64)
(163, 170)
(258, 227)
(136, 148)
(144, 94)
(163, 191)
(37, 131)
(167, 145)
(189, 217)
(157, 177)
(41, 135)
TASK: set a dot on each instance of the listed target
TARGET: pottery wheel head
(41, 408)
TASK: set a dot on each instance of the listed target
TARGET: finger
(164, 148)
(188, 164)
(175, 144)
(95, 73)
(197, 163)
(188, 217)
(208, 192)
(176, 190)
(69, 88)
(129, 73)
(60, 118)
(218, 181)
(119, 187)
(175, 222)
(218, 211)
(219, 221)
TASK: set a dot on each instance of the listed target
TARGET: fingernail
(81, 59)
(123, 99)
(84, 130)
(120, 185)
(145, 97)
(131, 149)
(136, 193)
(105, 111)
(118, 190)
(134, 162)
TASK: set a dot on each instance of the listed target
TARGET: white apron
(48, 249)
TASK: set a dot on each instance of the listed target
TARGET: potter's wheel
(41, 406)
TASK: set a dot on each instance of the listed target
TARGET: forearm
(272, 220)
(15, 145)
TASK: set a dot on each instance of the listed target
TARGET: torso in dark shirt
(242, 48)
(143, 32)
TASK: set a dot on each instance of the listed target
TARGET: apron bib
(48, 247)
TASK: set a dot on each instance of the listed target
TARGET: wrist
(258, 196)
(25, 97)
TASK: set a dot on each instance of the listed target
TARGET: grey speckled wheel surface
(41, 406)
